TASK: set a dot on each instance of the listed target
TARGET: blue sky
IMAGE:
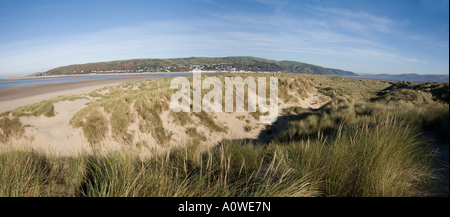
(395, 36)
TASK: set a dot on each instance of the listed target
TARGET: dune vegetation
(368, 139)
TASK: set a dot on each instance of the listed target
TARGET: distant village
(203, 67)
(191, 68)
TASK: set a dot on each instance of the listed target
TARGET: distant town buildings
(196, 70)
(202, 67)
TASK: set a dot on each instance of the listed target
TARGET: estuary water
(46, 80)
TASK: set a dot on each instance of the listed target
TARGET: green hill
(205, 63)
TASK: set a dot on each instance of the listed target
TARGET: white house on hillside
(196, 70)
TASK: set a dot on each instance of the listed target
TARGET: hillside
(222, 64)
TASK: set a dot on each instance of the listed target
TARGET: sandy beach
(16, 96)
(90, 74)
(56, 135)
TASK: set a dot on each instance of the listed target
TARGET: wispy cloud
(357, 20)
(319, 35)
(323, 34)
(177, 39)
(276, 5)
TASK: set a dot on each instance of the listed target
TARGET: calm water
(20, 82)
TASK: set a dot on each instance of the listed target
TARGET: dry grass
(387, 159)
(23, 174)
(95, 127)
(10, 127)
(195, 136)
(45, 107)
(359, 144)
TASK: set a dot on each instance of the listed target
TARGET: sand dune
(56, 134)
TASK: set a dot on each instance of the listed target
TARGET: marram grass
(365, 142)
(385, 159)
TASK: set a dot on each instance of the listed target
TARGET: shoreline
(94, 74)
(16, 96)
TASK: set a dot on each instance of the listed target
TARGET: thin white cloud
(357, 20)
(317, 38)
(277, 5)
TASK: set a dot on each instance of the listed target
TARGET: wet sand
(91, 74)
(16, 96)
